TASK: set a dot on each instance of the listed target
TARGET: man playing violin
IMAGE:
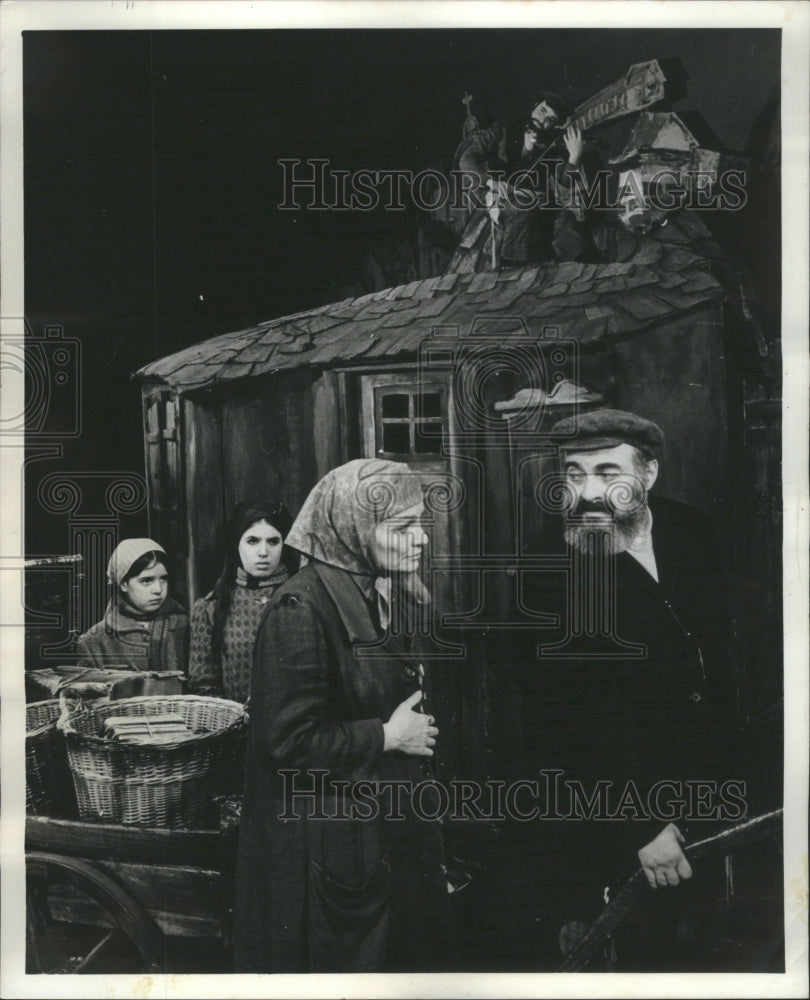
(521, 174)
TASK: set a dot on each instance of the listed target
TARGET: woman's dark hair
(241, 519)
(146, 561)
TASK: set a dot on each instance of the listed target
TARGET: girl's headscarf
(126, 554)
(337, 523)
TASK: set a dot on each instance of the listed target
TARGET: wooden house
(463, 375)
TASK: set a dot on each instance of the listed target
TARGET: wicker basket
(158, 784)
(48, 788)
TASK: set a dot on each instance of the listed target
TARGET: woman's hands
(411, 732)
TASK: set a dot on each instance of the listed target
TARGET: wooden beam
(106, 841)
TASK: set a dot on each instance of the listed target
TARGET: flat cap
(606, 428)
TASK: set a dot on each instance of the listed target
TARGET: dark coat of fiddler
(334, 894)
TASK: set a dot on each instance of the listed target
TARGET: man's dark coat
(329, 894)
(648, 702)
(527, 232)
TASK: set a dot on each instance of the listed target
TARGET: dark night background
(151, 176)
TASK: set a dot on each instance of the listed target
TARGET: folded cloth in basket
(153, 729)
(48, 682)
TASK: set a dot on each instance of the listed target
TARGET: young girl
(143, 628)
(224, 623)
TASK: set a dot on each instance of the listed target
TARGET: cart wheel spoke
(35, 926)
(94, 951)
(65, 898)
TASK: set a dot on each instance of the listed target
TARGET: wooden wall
(277, 435)
(675, 375)
(268, 438)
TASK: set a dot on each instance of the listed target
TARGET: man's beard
(611, 533)
(542, 130)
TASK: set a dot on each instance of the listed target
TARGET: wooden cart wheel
(77, 916)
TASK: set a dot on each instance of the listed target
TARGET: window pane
(428, 437)
(429, 404)
(395, 438)
(395, 404)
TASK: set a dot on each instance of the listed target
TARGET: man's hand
(411, 732)
(529, 140)
(497, 191)
(495, 197)
(663, 861)
(573, 143)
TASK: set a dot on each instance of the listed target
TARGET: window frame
(375, 387)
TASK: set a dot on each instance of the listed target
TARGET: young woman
(143, 628)
(339, 698)
(224, 623)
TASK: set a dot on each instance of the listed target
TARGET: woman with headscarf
(224, 622)
(143, 628)
(327, 879)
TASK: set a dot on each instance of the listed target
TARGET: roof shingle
(666, 275)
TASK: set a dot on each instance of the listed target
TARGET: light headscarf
(337, 523)
(126, 554)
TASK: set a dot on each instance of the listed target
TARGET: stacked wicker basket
(48, 788)
(167, 783)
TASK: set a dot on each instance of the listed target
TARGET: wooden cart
(98, 893)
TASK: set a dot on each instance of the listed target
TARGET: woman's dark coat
(330, 894)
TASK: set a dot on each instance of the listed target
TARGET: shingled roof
(667, 275)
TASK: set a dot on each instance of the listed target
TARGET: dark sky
(152, 182)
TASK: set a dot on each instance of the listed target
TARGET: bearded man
(528, 179)
(628, 692)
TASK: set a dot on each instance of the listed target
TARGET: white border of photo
(794, 20)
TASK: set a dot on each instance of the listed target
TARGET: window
(404, 417)
(409, 420)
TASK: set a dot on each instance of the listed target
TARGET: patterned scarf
(276, 578)
(338, 521)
